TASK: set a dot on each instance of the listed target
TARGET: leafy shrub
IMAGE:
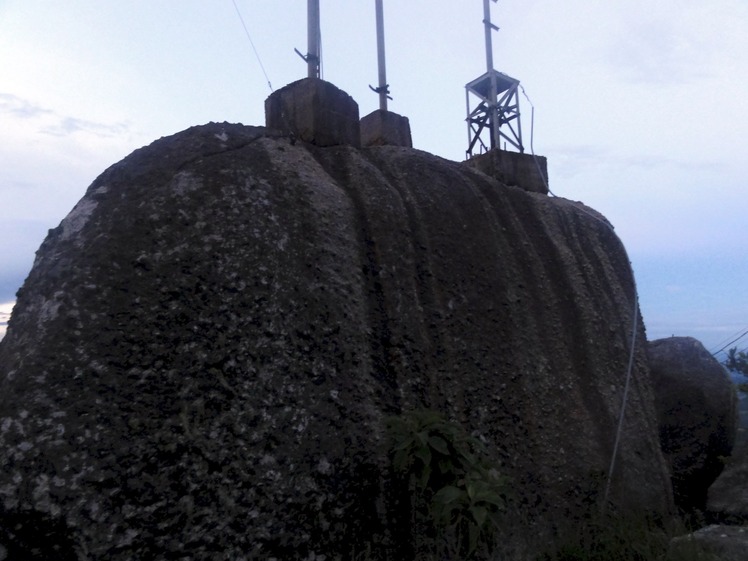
(450, 478)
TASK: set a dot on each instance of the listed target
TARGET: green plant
(450, 476)
(737, 360)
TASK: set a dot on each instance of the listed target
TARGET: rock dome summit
(203, 359)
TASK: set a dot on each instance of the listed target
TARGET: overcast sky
(640, 108)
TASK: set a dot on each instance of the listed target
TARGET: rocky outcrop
(202, 360)
(728, 496)
(696, 405)
(718, 543)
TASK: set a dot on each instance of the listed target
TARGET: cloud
(48, 160)
(70, 125)
(50, 122)
(21, 108)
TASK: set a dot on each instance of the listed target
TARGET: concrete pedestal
(381, 128)
(513, 168)
(314, 111)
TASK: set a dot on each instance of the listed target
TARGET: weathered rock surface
(201, 361)
(721, 543)
(728, 496)
(696, 405)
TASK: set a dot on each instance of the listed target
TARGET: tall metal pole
(313, 38)
(382, 89)
(487, 26)
(493, 113)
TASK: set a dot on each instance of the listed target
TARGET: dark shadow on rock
(28, 535)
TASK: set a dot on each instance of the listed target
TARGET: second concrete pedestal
(381, 128)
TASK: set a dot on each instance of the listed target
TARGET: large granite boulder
(202, 360)
(696, 405)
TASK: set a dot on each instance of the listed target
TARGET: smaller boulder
(697, 412)
(728, 496)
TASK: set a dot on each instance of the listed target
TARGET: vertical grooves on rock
(380, 324)
(337, 163)
(429, 340)
(552, 235)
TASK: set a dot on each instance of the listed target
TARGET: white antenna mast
(314, 33)
(383, 89)
(493, 111)
(382, 127)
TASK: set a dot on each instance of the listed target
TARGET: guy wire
(634, 326)
(238, 13)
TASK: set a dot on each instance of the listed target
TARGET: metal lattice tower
(492, 102)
